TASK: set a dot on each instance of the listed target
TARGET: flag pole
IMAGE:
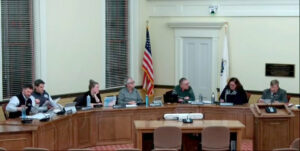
(147, 23)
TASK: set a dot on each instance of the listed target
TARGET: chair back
(2, 149)
(167, 138)
(79, 149)
(215, 138)
(129, 149)
(248, 95)
(35, 149)
(296, 144)
(4, 110)
(285, 149)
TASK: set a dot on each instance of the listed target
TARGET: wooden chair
(248, 95)
(295, 146)
(165, 150)
(215, 138)
(35, 149)
(166, 138)
(2, 149)
(4, 110)
(129, 149)
(289, 98)
(285, 149)
(78, 149)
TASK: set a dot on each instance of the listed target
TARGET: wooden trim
(164, 86)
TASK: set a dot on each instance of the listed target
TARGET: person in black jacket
(234, 92)
(93, 93)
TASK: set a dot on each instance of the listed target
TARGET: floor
(246, 146)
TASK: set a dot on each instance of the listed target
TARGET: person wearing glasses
(184, 91)
(129, 95)
(234, 92)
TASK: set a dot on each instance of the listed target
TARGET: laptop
(70, 107)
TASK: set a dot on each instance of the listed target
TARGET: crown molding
(225, 7)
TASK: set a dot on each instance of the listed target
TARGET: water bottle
(200, 97)
(147, 101)
(212, 98)
(23, 113)
(88, 101)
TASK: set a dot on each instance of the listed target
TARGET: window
(17, 45)
(116, 42)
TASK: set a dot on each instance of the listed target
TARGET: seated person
(234, 92)
(129, 94)
(40, 95)
(22, 100)
(274, 93)
(93, 93)
(184, 91)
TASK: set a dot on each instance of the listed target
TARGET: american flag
(148, 80)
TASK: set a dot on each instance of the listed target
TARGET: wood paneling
(272, 130)
(82, 130)
(276, 132)
(46, 137)
(115, 126)
(64, 134)
(16, 141)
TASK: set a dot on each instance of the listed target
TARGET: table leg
(139, 140)
(239, 140)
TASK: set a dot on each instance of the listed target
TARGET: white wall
(74, 51)
(254, 41)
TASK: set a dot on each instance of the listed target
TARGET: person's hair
(126, 81)
(27, 86)
(274, 82)
(92, 84)
(239, 86)
(181, 80)
(38, 82)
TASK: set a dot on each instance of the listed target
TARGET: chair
(215, 138)
(295, 146)
(35, 149)
(285, 149)
(289, 98)
(78, 149)
(248, 95)
(128, 149)
(4, 110)
(165, 149)
(167, 138)
(2, 149)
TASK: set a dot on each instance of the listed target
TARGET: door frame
(197, 30)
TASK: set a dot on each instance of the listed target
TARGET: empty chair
(78, 149)
(296, 144)
(34, 149)
(167, 138)
(128, 149)
(2, 149)
(165, 149)
(293, 147)
(285, 149)
(215, 138)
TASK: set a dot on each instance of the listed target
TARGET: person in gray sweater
(129, 94)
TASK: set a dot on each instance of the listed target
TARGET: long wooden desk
(105, 126)
(143, 127)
